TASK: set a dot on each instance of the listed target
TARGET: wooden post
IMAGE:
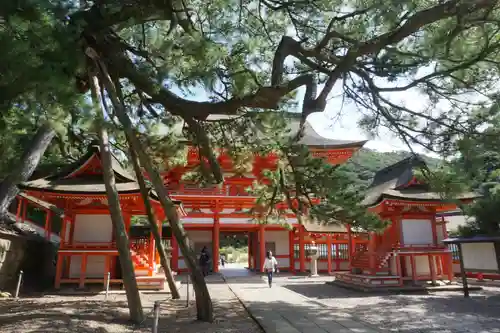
(216, 243)
(160, 230)
(107, 268)
(371, 252)
(19, 207)
(329, 254)
(413, 268)
(302, 252)
(439, 268)
(350, 247)
(83, 271)
(291, 248)
(59, 269)
(250, 250)
(25, 209)
(432, 269)
(434, 231)
(255, 244)
(397, 262)
(47, 225)
(462, 271)
(262, 244)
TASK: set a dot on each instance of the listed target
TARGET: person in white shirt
(270, 266)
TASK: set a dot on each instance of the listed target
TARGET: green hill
(365, 163)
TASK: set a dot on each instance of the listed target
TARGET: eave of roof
(475, 239)
(311, 138)
(41, 203)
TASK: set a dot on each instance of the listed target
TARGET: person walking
(222, 260)
(204, 260)
(270, 266)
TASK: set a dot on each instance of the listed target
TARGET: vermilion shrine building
(87, 248)
(409, 249)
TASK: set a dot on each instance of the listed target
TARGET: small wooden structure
(479, 254)
(87, 250)
(411, 248)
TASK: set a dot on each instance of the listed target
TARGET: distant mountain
(366, 162)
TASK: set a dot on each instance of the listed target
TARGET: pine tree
(238, 53)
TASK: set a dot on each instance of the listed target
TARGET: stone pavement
(281, 310)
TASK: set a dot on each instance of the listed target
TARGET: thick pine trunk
(203, 302)
(122, 243)
(154, 228)
(127, 267)
(27, 165)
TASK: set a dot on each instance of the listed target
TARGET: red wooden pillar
(329, 253)
(59, 269)
(255, 246)
(250, 250)
(434, 231)
(302, 253)
(262, 244)
(439, 267)
(25, 209)
(216, 243)
(350, 245)
(432, 268)
(19, 207)
(83, 271)
(371, 252)
(291, 237)
(47, 225)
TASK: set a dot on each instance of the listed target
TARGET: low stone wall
(12, 251)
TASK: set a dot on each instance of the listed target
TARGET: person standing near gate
(204, 260)
(270, 266)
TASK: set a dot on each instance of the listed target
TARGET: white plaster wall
(197, 236)
(91, 228)
(421, 266)
(479, 256)
(416, 231)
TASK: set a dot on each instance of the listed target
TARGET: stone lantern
(313, 254)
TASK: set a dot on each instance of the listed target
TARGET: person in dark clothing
(222, 260)
(204, 260)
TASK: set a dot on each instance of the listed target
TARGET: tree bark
(122, 243)
(203, 302)
(27, 165)
(154, 228)
(127, 267)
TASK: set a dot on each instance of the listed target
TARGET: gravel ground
(57, 314)
(411, 313)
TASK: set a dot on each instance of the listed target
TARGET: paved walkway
(281, 310)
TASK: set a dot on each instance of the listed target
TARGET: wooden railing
(88, 245)
(223, 190)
